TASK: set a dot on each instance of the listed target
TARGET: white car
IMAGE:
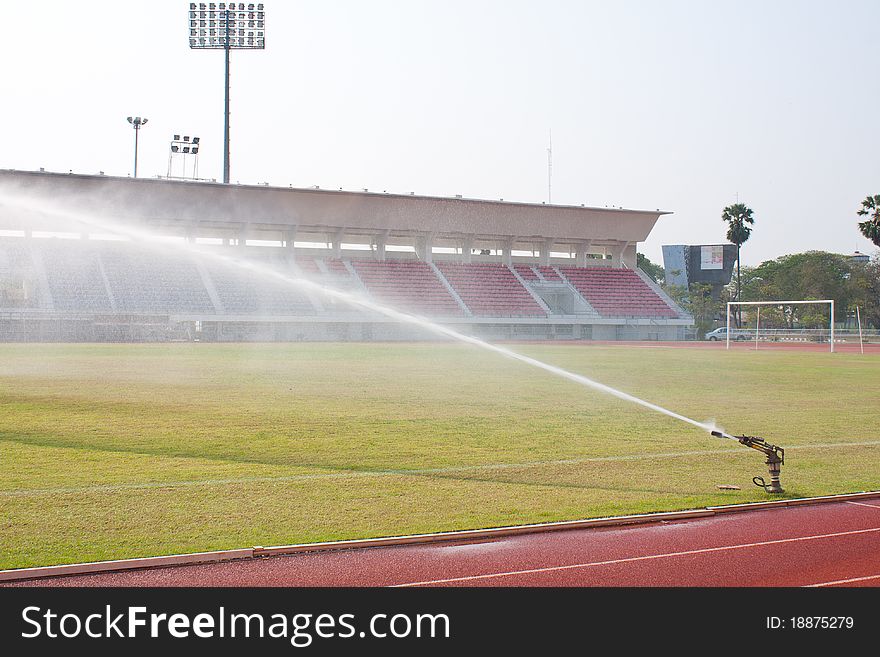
(721, 334)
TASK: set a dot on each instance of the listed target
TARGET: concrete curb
(473, 534)
(124, 564)
(733, 508)
(417, 539)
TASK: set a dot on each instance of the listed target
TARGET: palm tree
(871, 227)
(739, 219)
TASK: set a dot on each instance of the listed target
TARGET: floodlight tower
(227, 26)
(136, 123)
(182, 148)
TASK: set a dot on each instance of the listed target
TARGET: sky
(679, 105)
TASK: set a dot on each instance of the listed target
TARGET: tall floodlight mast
(136, 123)
(226, 26)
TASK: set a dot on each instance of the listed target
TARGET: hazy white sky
(679, 105)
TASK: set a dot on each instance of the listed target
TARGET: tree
(871, 227)
(810, 275)
(698, 301)
(739, 221)
(865, 282)
(655, 272)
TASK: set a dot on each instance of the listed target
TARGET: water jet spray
(775, 459)
(774, 454)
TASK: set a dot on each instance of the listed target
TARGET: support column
(381, 242)
(617, 254)
(544, 257)
(582, 249)
(336, 243)
(242, 237)
(628, 255)
(467, 247)
(289, 237)
(424, 247)
(507, 251)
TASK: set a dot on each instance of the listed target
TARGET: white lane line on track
(843, 581)
(873, 506)
(461, 469)
(647, 557)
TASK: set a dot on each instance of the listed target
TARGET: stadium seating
(526, 272)
(490, 290)
(247, 293)
(100, 277)
(153, 280)
(73, 272)
(408, 285)
(333, 273)
(617, 292)
(336, 268)
(17, 273)
(550, 274)
(308, 266)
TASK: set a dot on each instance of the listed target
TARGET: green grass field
(116, 451)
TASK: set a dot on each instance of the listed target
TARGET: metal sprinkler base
(775, 460)
(774, 466)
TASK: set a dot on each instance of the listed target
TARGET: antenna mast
(550, 170)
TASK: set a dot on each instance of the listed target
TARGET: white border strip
(471, 534)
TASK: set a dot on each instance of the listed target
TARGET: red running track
(832, 544)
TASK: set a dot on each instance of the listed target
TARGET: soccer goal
(785, 334)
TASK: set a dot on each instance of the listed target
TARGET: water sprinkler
(775, 459)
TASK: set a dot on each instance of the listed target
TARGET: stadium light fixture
(182, 147)
(136, 123)
(226, 26)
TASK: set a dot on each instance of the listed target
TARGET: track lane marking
(873, 506)
(634, 559)
(843, 581)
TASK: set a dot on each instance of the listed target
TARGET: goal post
(829, 302)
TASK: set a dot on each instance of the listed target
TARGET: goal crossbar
(780, 303)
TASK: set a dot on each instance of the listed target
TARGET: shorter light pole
(136, 123)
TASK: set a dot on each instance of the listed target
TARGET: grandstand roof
(204, 207)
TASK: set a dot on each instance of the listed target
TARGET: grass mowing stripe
(401, 472)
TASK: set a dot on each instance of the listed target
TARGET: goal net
(782, 321)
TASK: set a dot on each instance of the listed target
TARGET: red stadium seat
(617, 292)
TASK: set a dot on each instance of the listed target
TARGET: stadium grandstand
(500, 270)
